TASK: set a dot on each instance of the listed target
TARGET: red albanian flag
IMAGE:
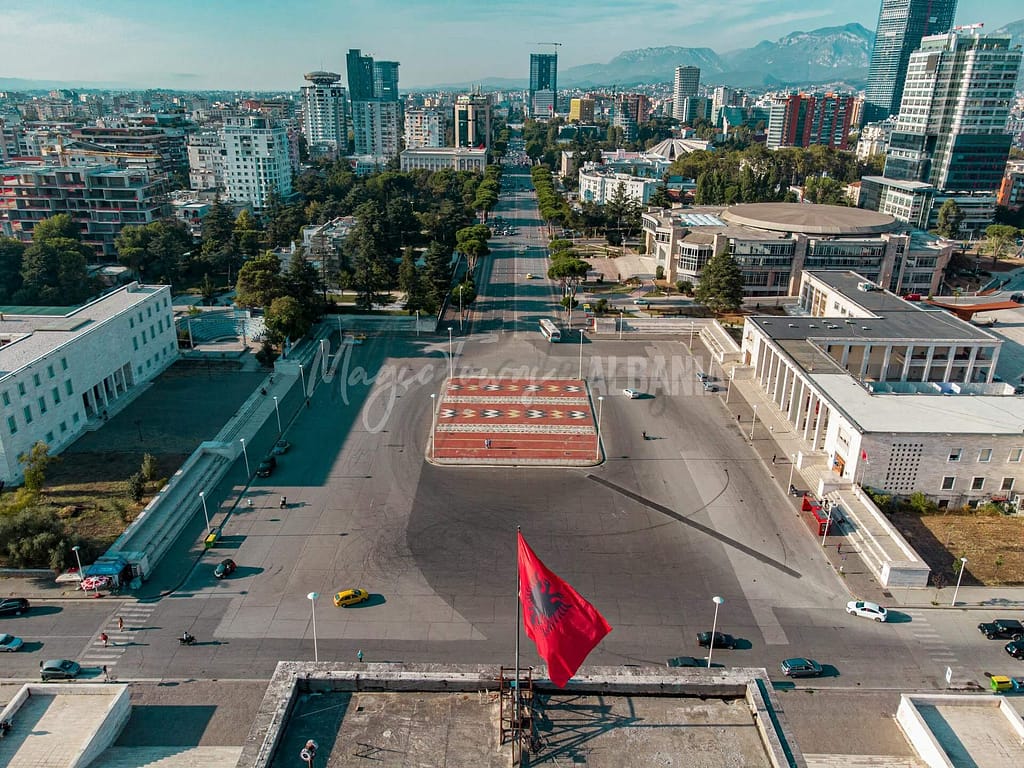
(564, 627)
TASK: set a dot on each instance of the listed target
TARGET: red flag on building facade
(564, 627)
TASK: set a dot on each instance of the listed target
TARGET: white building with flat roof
(60, 373)
(436, 158)
(892, 394)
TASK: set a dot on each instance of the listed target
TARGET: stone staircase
(168, 757)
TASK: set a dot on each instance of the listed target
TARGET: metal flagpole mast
(519, 618)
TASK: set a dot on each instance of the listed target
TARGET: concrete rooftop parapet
(949, 730)
(294, 678)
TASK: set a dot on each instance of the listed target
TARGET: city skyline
(258, 45)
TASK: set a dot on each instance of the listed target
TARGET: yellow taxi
(529, 275)
(349, 597)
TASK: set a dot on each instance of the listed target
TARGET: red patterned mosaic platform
(515, 421)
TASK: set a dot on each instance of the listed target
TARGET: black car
(224, 568)
(1015, 648)
(721, 640)
(266, 466)
(1008, 629)
(13, 606)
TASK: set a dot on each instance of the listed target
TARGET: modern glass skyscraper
(360, 75)
(385, 80)
(951, 128)
(543, 84)
(901, 25)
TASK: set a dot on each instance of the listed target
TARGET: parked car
(721, 640)
(686, 661)
(266, 466)
(349, 597)
(1015, 648)
(702, 377)
(13, 606)
(9, 643)
(800, 667)
(632, 394)
(280, 447)
(59, 669)
(1009, 629)
(224, 568)
(867, 610)
(710, 386)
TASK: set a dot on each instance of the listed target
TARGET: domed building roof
(811, 219)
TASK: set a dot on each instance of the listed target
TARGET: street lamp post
(728, 386)
(433, 422)
(828, 524)
(417, 322)
(622, 320)
(302, 373)
(581, 355)
(959, 577)
(691, 337)
(277, 410)
(714, 626)
(600, 410)
(81, 575)
(245, 454)
(752, 423)
(312, 606)
(206, 513)
(792, 466)
(451, 358)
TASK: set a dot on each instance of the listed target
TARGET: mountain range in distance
(828, 55)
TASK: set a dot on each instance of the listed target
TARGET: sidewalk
(775, 439)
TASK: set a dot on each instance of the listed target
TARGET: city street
(649, 537)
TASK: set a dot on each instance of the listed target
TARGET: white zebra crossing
(936, 648)
(119, 638)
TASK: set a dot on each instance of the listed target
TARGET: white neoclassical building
(888, 393)
(59, 373)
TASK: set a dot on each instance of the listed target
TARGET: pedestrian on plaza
(103, 639)
(106, 678)
(120, 624)
(839, 548)
(487, 443)
(359, 655)
(737, 418)
(774, 456)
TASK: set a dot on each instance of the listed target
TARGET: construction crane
(554, 44)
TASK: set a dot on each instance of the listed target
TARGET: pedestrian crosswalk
(118, 634)
(934, 646)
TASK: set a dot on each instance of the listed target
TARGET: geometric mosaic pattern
(515, 421)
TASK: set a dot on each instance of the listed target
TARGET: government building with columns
(888, 393)
(62, 374)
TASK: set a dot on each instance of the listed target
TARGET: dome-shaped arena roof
(810, 219)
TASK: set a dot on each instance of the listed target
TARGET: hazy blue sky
(260, 44)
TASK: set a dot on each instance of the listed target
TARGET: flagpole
(519, 618)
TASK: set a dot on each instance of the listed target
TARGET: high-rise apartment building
(376, 126)
(205, 164)
(901, 25)
(101, 200)
(324, 105)
(257, 160)
(951, 127)
(800, 120)
(581, 111)
(424, 127)
(685, 85)
(360, 75)
(543, 98)
(385, 80)
(473, 120)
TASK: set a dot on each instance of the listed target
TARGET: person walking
(103, 638)
(120, 624)
(774, 456)
(359, 655)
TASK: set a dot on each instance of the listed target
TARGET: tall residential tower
(323, 115)
(687, 81)
(901, 25)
